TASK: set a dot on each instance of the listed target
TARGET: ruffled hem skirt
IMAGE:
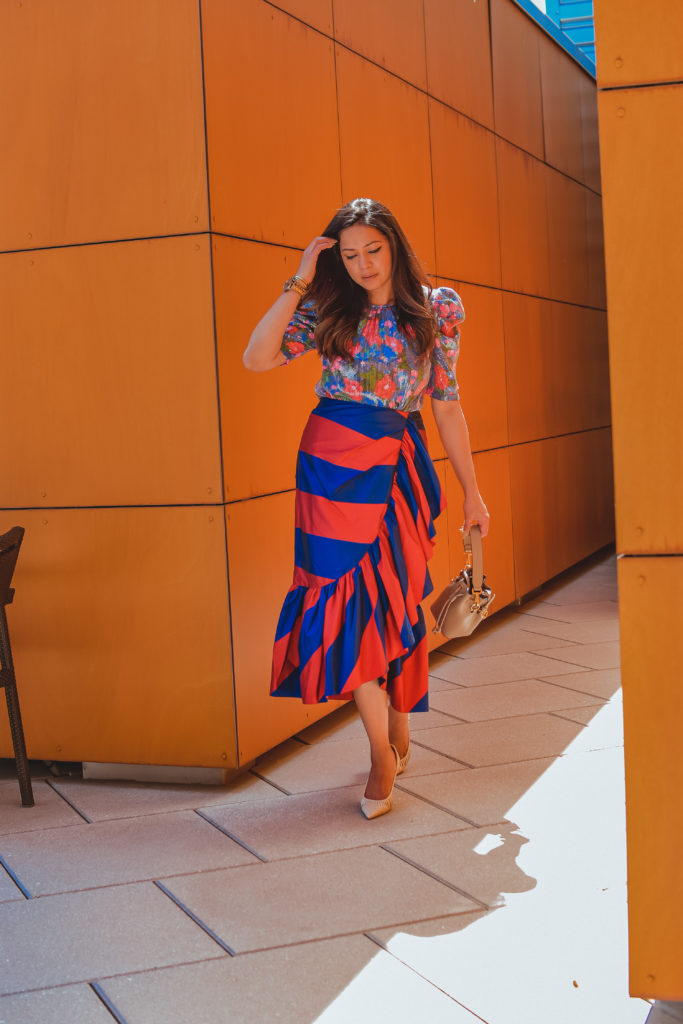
(366, 497)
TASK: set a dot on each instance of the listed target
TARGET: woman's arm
(263, 350)
(455, 437)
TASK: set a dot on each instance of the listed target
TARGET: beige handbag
(463, 604)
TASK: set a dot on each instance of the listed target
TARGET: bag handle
(475, 558)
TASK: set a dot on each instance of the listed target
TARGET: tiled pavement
(494, 891)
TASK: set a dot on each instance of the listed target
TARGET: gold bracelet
(296, 284)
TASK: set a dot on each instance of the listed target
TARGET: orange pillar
(640, 69)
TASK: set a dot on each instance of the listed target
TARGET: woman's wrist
(296, 283)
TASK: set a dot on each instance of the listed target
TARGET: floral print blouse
(385, 370)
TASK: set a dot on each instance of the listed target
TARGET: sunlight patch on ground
(558, 951)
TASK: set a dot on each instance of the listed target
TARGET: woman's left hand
(475, 511)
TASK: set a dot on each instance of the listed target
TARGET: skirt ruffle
(367, 496)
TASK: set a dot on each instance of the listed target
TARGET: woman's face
(366, 254)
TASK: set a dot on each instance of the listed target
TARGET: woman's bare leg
(399, 730)
(371, 702)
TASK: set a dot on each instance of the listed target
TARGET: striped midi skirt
(366, 497)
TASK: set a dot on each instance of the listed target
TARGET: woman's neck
(381, 296)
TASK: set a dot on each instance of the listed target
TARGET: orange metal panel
(652, 654)
(459, 56)
(465, 200)
(562, 503)
(643, 209)
(104, 135)
(562, 123)
(493, 476)
(439, 564)
(557, 368)
(110, 376)
(581, 368)
(636, 45)
(392, 162)
(588, 98)
(436, 449)
(262, 414)
(481, 365)
(389, 34)
(271, 123)
(595, 251)
(516, 76)
(120, 636)
(567, 242)
(596, 379)
(317, 13)
(531, 367)
(523, 221)
(261, 560)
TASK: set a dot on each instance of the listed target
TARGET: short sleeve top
(385, 369)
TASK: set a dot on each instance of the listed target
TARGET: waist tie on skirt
(366, 497)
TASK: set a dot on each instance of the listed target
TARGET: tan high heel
(373, 808)
(403, 761)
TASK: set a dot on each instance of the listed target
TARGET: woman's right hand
(309, 258)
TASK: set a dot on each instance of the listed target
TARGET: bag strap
(475, 557)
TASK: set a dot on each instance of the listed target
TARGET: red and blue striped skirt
(366, 497)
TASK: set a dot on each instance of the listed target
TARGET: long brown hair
(340, 302)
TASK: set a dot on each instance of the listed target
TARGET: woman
(351, 624)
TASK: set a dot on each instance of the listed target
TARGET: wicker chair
(10, 543)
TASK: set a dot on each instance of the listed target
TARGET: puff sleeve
(449, 313)
(299, 333)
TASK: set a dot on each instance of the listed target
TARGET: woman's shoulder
(446, 305)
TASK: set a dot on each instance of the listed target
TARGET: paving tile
(72, 1004)
(8, 891)
(440, 657)
(502, 668)
(503, 740)
(290, 901)
(101, 801)
(605, 729)
(583, 716)
(479, 862)
(354, 981)
(503, 634)
(331, 820)
(81, 935)
(584, 574)
(604, 566)
(481, 795)
(579, 976)
(112, 852)
(592, 632)
(502, 700)
(351, 727)
(665, 1013)
(581, 592)
(585, 612)
(49, 810)
(604, 683)
(322, 766)
(604, 655)
(437, 685)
